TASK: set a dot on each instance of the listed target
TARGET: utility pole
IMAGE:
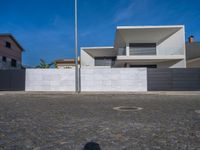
(76, 49)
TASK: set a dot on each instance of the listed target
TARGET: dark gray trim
(173, 79)
(142, 48)
(104, 61)
(12, 80)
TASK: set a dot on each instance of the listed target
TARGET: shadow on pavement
(92, 146)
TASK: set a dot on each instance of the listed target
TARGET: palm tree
(45, 65)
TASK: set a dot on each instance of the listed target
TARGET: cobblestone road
(68, 122)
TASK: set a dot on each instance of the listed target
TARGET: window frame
(143, 48)
(106, 59)
(14, 63)
(8, 44)
(4, 59)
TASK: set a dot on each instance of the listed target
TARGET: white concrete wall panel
(116, 79)
(174, 45)
(172, 64)
(50, 80)
(86, 59)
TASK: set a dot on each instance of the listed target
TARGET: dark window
(104, 61)
(4, 59)
(142, 49)
(8, 44)
(13, 63)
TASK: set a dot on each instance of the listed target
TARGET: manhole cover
(197, 111)
(127, 108)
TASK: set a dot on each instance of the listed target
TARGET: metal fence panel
(173, 79)
(12, 80)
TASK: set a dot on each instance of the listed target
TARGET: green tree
(43, 64)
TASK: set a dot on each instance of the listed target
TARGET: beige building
(66, 63)
(10, 52)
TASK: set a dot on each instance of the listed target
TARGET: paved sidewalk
(181, 93)
(68, 121)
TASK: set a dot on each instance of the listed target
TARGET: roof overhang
(144, 34)
(148, 59)
(13, 38)
(100, 51)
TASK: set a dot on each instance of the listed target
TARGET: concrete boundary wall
(113, 79)
(109, 80)
(50, 80)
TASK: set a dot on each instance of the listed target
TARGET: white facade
(140, 46)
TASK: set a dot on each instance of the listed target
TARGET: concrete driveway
(68, 121)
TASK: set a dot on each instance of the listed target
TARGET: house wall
(120, 44)
(172, 64)
(115, 79)
(194, 64)
(50, 80)
(7, 64)
(174, 45)
(10, 53)
(86, 59)
(14, 52)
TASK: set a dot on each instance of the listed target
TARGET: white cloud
(125, 13)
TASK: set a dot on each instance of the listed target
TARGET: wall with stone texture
(50, 80)
(102, 80)
(92, 79)
(115, 79)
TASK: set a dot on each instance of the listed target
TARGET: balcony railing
(143, 51)
(122, 51)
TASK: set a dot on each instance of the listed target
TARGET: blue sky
(45, 28)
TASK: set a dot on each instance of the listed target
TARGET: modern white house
(140, 46)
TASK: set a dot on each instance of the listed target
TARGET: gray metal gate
(12, 80)
(173, 79)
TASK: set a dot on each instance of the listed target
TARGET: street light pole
(76, 49)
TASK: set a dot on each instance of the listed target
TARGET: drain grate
(127, 108)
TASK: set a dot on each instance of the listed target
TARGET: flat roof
(149, 27)
(100, 51)
(100, 47)
(138, 34)
(144, 34)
